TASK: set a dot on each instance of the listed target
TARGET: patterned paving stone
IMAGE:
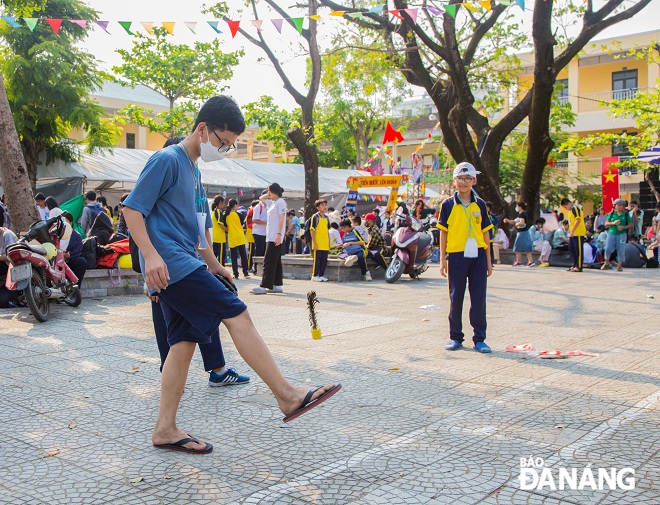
(414, 424)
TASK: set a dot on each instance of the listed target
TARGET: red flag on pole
(391, 135)
(610, 182)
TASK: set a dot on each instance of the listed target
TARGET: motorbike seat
(424, 240)
(28, 247)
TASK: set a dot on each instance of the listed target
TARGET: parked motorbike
(40, 271)
(411, 249)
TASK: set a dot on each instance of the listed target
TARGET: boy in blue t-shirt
(168, 217)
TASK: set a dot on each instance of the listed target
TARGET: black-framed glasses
(222, 149)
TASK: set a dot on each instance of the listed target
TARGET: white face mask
(209, 152)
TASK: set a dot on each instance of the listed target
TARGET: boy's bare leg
(256, 354)
(172, 382)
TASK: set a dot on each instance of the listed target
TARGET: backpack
(135, 255)
(307, 234)
(4, 216)
(95, 210)
(89, 251)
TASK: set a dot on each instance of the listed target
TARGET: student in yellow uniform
(219, 228)
(320, 230)
(236, 237)
(576, 232)
(249, 238)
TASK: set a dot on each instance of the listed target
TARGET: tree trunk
(540, 143)
(13, 171)
(311, 165)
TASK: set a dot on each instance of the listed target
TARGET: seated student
(335, 238)
(354, 246)
(540, 242)
(601, 238)
(8, 299)
(635, 254)
(357, 226)
(560, 237)
(500, 242)
(102, 229)
(73, 251)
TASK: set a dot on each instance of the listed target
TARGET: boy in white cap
(465, 257)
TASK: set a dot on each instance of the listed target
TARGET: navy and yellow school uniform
(462, 222)
(576, 242)
(321, 226)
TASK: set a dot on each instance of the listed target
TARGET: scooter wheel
(74, 298)
(35, 298)
(394, 271)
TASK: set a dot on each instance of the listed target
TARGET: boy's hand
(156, 272)
(443, 267)
(490, 269)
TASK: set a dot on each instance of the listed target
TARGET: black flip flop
(179, 446)
(307, 404)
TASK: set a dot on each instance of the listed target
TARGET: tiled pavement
(414, 424)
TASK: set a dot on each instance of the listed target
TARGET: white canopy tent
(117, 171)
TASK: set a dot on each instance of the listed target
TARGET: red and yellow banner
(610, 182)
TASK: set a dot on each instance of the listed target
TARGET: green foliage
(48, 78)
(177, 71)
(272, 121)
(360, 88)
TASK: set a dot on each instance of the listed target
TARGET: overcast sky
(254, 78)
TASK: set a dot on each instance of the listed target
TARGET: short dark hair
(277, 189)
(376, 211)
(633, 202)
(565, 222)
(331, 209)
(319, 202)
(101, 199)
(565, 201)
(67, 215)
(601, 228)
(345, 222)
(39, 196)
(51, 203)
(522, 205)
(232, 202)
(221, 112)
(173, 141)
(91, 195)
(123, 197)
(357, 220)
(540, 220)
(254, 203)
(335, 225)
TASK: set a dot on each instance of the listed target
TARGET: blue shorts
(195, 306)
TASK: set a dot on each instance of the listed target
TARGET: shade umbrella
(650, 155)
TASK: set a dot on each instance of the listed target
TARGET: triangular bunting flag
(298, 22)
(396, 14)
(257, 23)
(357, 15)
(413, 14)
(192, 25)
(469, 6)
(54, 24)
(391, 135)
(316, 17)
(126, 25)
(214, 25)
(434, 10)
(485, 4)
(233, 27)
(169, 26)
(450, 9)
(104, 25)
(377, 10)
(339, 14)
(277, 23)
(521, 4)
(12, 21)
(31, 23)
(82, 23)
(149, 26)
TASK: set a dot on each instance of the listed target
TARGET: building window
(620, 149)
(624, 84)
(562, 90)
(130, 141)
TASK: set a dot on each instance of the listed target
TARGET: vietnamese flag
(610, 182)
(391, 135)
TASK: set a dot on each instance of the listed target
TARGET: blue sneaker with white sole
(230, 377)
(482, 347)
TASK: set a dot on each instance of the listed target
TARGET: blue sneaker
(453, 345)
(482, 347)
(228, 378)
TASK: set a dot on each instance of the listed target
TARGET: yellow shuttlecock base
(316, 333)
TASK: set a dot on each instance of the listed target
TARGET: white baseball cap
(465, 168)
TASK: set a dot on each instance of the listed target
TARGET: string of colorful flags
(278, 23)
